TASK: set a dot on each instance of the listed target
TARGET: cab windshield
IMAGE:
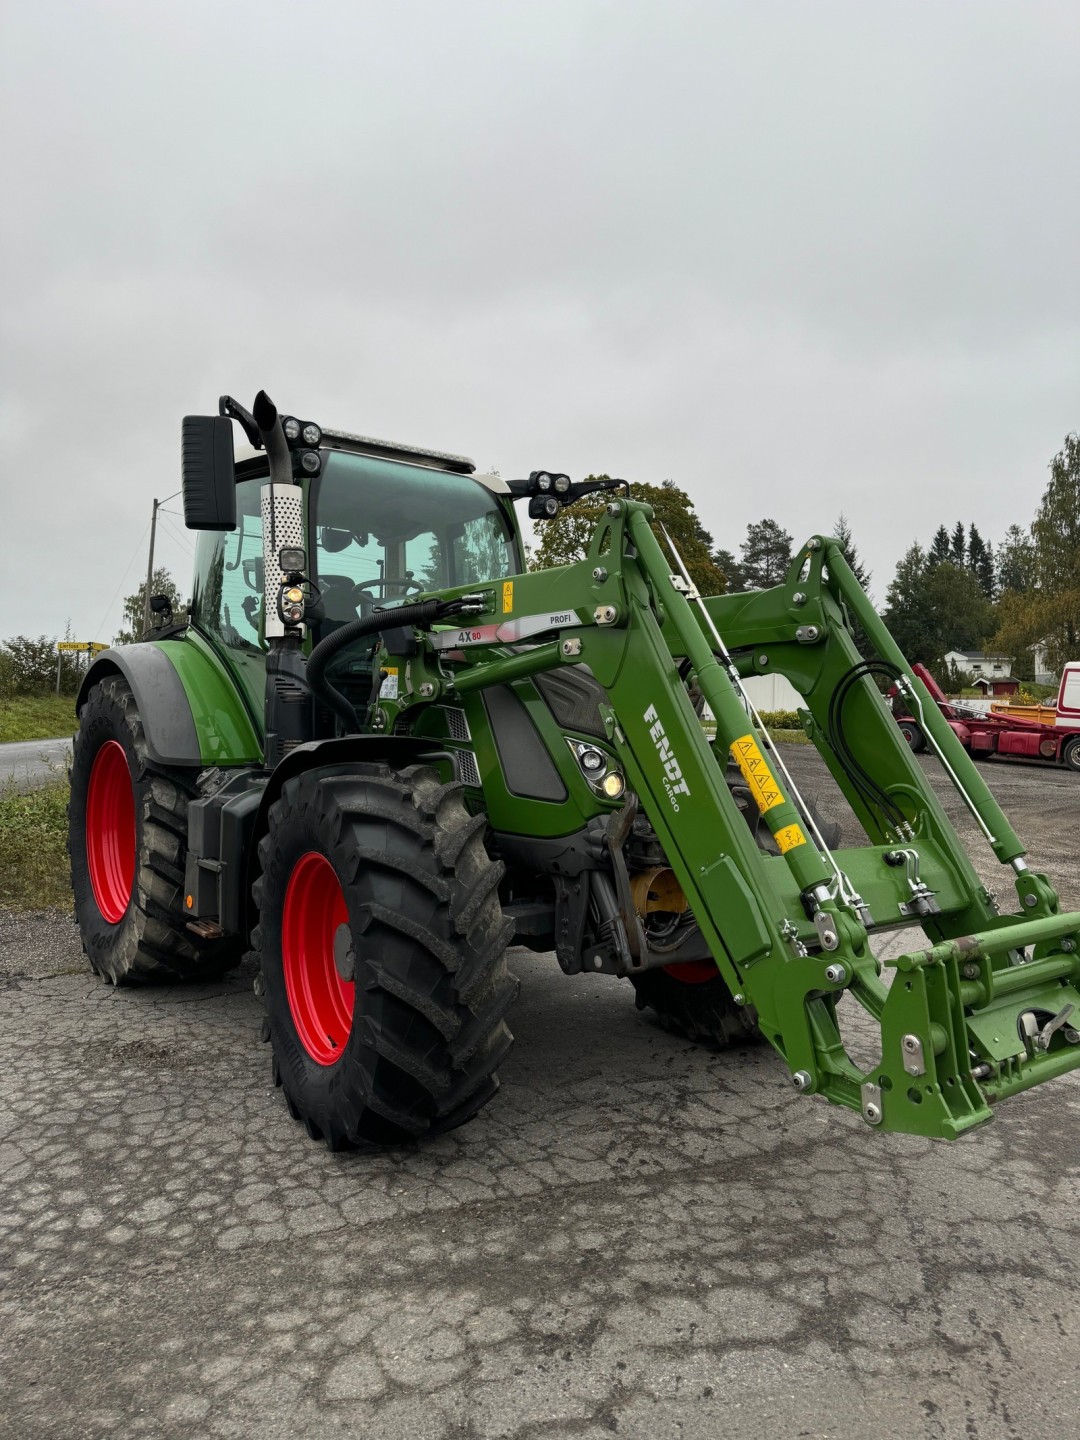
(385, 531)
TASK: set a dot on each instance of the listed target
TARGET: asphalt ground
(638, 1237)
(27, 764)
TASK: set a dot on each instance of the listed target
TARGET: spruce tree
(842, 531)
(940, 549)
(766, 555)
(980, 561)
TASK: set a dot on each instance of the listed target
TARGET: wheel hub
(314, 933)
(110, 831)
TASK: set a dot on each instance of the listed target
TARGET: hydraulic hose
(422, 614)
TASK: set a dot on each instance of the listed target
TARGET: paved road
(27, 764)
(637, 1238)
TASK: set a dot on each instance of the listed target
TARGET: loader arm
(986, 1007)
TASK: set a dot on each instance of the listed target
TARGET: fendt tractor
(378, 751)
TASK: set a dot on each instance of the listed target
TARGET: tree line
(958, 592)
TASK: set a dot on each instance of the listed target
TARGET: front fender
(190, 709)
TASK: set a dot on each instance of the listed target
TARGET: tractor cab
(379, 523)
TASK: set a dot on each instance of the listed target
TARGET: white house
(980, 666)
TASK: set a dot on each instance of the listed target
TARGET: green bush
(28, 667)
(781, 720)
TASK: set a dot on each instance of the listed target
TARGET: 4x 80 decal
(504, 633)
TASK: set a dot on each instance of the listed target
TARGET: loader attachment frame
(986, 1009)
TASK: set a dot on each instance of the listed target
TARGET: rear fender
(190, 709)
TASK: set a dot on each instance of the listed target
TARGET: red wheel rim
(110, 831)
(692, 972)
(320, 1001)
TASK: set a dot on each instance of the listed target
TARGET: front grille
(467, 768)
(456, 723)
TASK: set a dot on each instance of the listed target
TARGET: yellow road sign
(94, 645)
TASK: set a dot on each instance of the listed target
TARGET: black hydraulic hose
(869, 789)
(423, 613)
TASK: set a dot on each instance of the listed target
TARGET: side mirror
(208, 473)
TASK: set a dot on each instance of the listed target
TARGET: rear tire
(382, 947)
(127, 843)
(694, 1000)
(913, 734)
(1070, 756)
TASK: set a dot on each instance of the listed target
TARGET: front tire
(382, 949)
(1070, 756)
(127, 843)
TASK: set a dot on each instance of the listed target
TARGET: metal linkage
(844, 889)
(907, 689)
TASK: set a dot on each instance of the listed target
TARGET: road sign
(92, 645)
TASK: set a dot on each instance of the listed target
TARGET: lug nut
(802, 1080)
(836, 974)
(599, 573)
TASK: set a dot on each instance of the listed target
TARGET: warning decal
(757, 774)
(788, 838)
(508, 596)
(389, 688)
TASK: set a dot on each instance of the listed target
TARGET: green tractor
(378, 752)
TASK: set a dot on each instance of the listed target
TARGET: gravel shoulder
(638, 1237)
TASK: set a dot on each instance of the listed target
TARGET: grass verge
(37, 717)
(33, 857)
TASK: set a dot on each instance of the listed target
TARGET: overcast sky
(797, 257)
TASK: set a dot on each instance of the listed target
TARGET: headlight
(291, 426)
(311, 434)
(543, 481)
(310, 461)
(562, 484)
(598, 768)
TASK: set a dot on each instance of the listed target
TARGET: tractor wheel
(913, 734)
(694, 999)
(127, 842)
(1070, 756)
(382, 947)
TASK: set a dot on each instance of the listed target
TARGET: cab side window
(228, 575)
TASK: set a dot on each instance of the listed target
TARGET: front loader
(378, 752)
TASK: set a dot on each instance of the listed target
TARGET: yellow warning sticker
(788, 838)
(508, 596)
(756, 773)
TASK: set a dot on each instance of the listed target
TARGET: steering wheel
(364, 600)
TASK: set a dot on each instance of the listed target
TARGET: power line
(116, 592)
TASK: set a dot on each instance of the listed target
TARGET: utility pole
(150, 570)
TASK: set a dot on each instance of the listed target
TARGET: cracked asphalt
(637, 1238)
